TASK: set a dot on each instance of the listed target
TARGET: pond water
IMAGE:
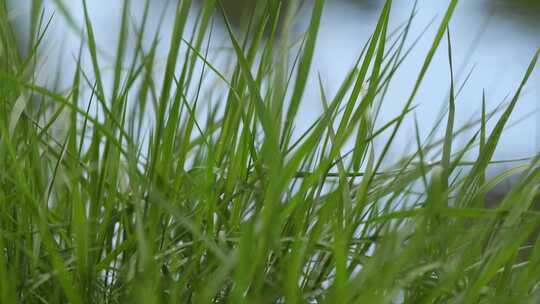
(496, 37)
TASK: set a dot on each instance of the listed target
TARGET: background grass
(150, 185)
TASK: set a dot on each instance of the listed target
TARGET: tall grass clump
(170, 180)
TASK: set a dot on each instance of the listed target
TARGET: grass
(190, 183)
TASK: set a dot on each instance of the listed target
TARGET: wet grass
(157, 187)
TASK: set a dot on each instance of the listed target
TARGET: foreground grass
(157, 187)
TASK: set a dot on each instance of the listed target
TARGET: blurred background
(495, 39)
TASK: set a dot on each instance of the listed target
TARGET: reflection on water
(498, 37)
(524, 14)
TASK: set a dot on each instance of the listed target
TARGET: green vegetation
(159, 186)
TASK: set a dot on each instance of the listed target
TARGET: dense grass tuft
(184, 182)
